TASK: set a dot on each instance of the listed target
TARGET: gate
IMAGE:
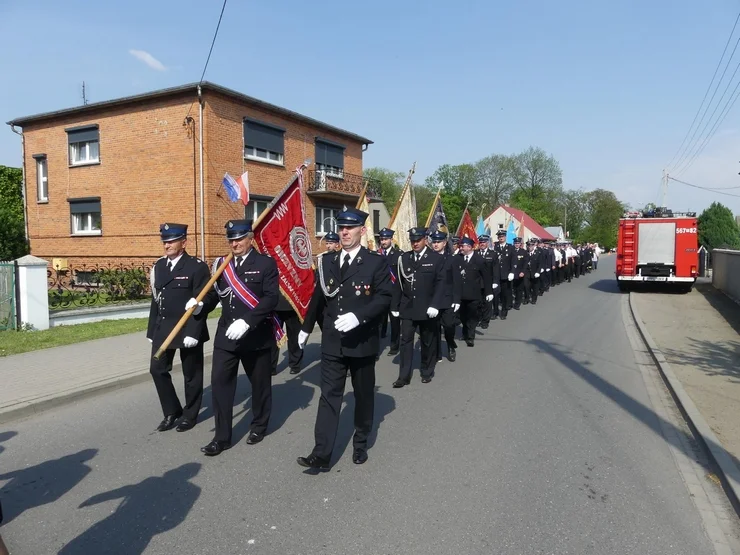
(8, 306)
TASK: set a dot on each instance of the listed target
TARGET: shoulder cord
(322, 283)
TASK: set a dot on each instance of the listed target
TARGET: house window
(263, 142)
(376, 220)
(326, 220)
(84, 145)
(255, 207)
(501, 226)
(330, 158)
(42, 178)
(85, 215)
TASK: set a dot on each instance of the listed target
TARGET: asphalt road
(540, 439)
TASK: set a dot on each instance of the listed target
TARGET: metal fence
(8, 296)
(97, 285)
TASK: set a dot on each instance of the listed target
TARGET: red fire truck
(658, 246)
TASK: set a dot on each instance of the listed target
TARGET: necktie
(169, 265)
(345, 265)
(416, 257)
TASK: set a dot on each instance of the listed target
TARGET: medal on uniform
(331, 281)
(357, 290)
(367, 290)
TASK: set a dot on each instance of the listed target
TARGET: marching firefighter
(452, 291)
(519, 264)
(391, 253)
(477, 285)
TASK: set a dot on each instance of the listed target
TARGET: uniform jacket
(171, 290)
(453, 280)
(260, 274)
(505, 253)
(535, 263)
(422, 284)
(365, 291)
(520, 263)
(476, 279)
(391, 255)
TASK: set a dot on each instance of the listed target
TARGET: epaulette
(376, 253)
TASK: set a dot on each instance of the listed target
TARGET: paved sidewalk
(36, 381)
(698, 336)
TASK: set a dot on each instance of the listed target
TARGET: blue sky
(608, 88)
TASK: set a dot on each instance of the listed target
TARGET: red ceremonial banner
(467, 227)
(281, 233)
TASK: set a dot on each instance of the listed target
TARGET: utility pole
(665, 189)
(565, 226)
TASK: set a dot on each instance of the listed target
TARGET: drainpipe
(23, 183)
(202, 185)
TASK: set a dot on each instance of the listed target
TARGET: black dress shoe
(426, 379)
(484, 326)
(451, 355)
(470, 343)
(312, 461)
(184, 425)
(392, 353)
(168, 423)
(215, 448)
(400, 383)
(254, 438)
(359, 456)
(295, 370)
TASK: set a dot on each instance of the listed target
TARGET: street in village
(554, 434)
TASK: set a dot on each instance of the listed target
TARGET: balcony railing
(327, 181)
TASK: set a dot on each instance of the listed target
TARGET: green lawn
(16, 342)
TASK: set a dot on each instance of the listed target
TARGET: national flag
(237, 189)
(404, 215)
(281, 233)
(466, 227)
(480, 229)
(510, 233)
(367, 240)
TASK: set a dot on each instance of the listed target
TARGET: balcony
(333, 184)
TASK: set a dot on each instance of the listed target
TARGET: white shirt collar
(421, 253)
(352, 254)
(239, 259)
(174, 261)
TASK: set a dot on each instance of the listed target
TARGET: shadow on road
(715, 358)
(5, 436)
(606, 286)
(729, 309)
(44, 483)
(153, 506)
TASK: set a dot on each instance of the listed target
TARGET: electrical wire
(702, 188)
(707, 92)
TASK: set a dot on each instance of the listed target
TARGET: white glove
(495, 285)
(150, 341)
(432, 312)
(489, 298)
(346, 322)
(189, 342)
(536, 274)
(193, 302)
(237, 330)
(541, 270)
(511, 277)
(302, 338)
(455, 307)
(395, 314)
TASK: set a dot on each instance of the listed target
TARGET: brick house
(100, 178)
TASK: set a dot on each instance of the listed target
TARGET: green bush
(123, 284)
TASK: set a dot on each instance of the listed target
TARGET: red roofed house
(524, 226)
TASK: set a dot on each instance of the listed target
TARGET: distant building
(557, 232)
(524, 226)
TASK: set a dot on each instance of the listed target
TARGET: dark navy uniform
(391, 256)
(259, 274)
(477, 284)
(289, 317)
(353, 286)
(534, 274)
(520, 268)
(491, 259)
(448, 315)
(502, 295)
(422, 278)
(172, 288)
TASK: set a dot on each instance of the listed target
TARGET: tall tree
(603, 210)
(717, 228)
(538, 172)
(497, 177)
(12, 223)
(459, 186)
(388, 184)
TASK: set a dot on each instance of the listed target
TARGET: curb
(38, 405)
(728, 471)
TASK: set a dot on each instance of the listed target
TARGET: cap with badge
(352, 217)
(467, 241)
(438, 236)
(517, 240)
(386, 233)
(500, 232)
(172, 232)
(331, 237)
(455, 240)
(483, 238)
(416, 233)
(237, 229)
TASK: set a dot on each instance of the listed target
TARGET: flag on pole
(237, 189)
(466, 227)
(281, 233)
(368, 239)
(437, 221)
(404, 217)
(510, 233)
(480, 229)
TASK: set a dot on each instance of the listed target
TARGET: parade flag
(510, 233)
(237, 189)
(280, 232)
(368, 239)
(480, 229)
(437, 221)
(466, 227)
(404, 215)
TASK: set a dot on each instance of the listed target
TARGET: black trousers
(546, 278)
(395, 330)
(258, 367)
(192, 371)
(487, 310)
(520, 290)
(448, 319)
(469, 319)
(506, 295)
(333, 376)
(535, 289)
(292, 328)
(428, 333)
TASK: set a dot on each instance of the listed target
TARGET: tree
(459, 186)
(537, 172)
(497, 177)
(12, 223)
(602, 212)
(717, 228)
(388, 185)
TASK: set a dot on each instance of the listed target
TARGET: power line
(707, 92)
(702, 188)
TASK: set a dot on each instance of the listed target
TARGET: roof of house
(190, 87)
(555, 231)
(527, 222)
